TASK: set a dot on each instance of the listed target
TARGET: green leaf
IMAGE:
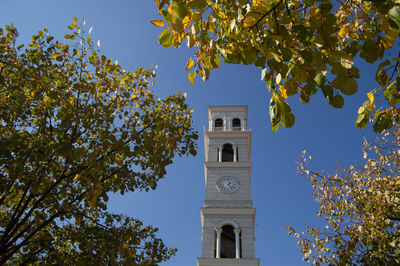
(193, 152)
(362, 119)
(325, 7)
(311, 87)
(65, 48)
(304, 98)
(215, 61)
(250, 56)
(191, 77)
(376, 114)
(287, 119)
(153, 185)
(260, 62)
(370, 51)
(394, 16)
(275, 127)
(349, 86)
(301, 32)
(197, 4)
(362, 124)
(320, 79)
(177, 24)
(165, 39)
(211, 61)
(346, 84)
(179, 9)
(337, 101)
(328, 92)
(309, 2)
(75, 19)
(306, 55)
(55, 55)
(382, 122)
(388, 95)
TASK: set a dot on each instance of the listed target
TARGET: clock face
(228, 184)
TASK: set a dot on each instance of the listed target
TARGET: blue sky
(281, 198)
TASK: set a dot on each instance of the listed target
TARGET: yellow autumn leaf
(269, 54)
(187, 21)
(76, 177)
(119, 160)
(343, 31)
(371, 97)
(276, 97)
(389, 39)
(189, 64)
(261, 5)
(158, 22)
(276, 57)
(314, 11)
(251, 19)
(283, 91)
(361, 110)
(228, 51)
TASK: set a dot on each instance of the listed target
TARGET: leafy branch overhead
(300, 46)
(75, 126)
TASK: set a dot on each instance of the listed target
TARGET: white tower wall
(228, 196)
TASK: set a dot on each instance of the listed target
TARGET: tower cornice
(227, 164)
(227, 262)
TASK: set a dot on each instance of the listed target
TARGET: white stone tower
(227, 218)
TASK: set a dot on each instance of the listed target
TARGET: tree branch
(266, 14)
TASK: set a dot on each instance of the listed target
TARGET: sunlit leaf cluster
(360, 208)
(300, 47)
(74, 127)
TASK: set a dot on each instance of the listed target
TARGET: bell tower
(227, 218)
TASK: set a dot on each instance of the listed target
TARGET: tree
(360, 207)
(74, 127)
(299, 45)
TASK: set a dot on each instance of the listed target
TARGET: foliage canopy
(301, 46)
(75, 126)
(360, 207)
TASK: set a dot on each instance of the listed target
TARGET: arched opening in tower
(218, 124)
(227, 153)
(228, 242)
(236, 124)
